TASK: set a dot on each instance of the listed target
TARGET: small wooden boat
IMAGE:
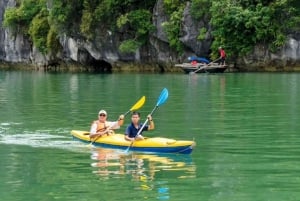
(153, 144)
(202, 67)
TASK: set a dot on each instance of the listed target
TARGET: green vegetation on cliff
(238, 25)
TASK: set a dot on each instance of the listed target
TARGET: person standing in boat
(132, 130)
(102, 126)
(222, 56)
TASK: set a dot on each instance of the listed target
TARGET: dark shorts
(222, 61)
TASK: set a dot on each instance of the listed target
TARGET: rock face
(13, 47)
(102, 54)
(3, 5)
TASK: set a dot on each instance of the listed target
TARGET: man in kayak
(102, 126)
(132, 131)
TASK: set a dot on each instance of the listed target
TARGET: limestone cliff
(102, 53)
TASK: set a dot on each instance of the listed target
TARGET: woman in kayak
(132, 131)
(102, 126)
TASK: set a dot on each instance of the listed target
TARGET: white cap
(102, 112)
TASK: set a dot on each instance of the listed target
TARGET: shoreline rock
(132, 68)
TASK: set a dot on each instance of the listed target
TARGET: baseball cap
(102, 112)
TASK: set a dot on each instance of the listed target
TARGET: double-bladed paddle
(161, 100)
(136, 106)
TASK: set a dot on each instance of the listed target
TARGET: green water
(246, 127)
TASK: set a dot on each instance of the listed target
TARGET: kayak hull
(155, 144)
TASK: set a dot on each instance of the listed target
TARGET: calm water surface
(246, 127)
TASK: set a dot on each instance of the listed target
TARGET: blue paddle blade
(163, 97)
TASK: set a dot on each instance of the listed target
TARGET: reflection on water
(142, 168)
(115, 163)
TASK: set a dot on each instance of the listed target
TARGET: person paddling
(101, 126)
(132, 130)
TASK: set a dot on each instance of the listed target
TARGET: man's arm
(151, 123)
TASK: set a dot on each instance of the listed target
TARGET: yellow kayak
(153, 144)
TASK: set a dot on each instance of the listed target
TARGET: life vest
(102, 127)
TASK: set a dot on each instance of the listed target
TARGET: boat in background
(201, 65)
(151, 144)
(202, 68)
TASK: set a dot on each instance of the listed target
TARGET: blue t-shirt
(131, 131)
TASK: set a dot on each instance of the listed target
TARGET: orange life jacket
(100, 126)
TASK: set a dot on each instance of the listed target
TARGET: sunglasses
(102, 115)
